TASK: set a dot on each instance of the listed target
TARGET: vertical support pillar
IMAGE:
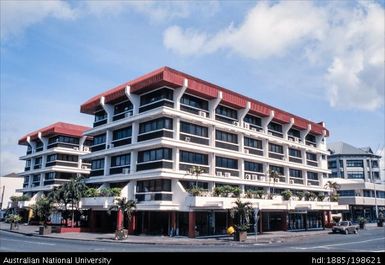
(132, 224)
(191, 224)
(119, 220)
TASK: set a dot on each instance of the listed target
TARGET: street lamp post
(374, 184)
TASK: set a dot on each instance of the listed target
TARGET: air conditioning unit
(112, 146)
(254, 177)
(270, 133)
(291, 139)
(276, 180)
(227, 174)
(262, 178)
(187, 139)
(202, 114)
(84, 167)
(236, 123)
(246, 151)
(247, 176)
(219, 173)
(296, 140)
(254, 129)
(246, 125)
(126, 171)
(76, 148)
(291, 181)
(86, 148)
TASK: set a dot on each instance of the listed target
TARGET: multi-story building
(52, 158)
(150, 131)
(357, 171)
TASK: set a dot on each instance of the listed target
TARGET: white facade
(8, 186)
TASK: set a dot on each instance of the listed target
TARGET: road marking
(341, 244)
(32, 242)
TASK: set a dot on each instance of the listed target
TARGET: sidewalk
(265, 238)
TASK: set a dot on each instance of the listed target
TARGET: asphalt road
(371, 240)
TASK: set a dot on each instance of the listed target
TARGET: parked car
(345, 227)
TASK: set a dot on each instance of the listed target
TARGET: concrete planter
(240, 236)
(121, 234)
(45, 230)
(14, 226)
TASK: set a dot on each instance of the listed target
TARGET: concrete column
(41, 179)
(191, 224)
(265, 146)
(178, 93)
(213, 104)
(266, 121)
(286, 128)
(109, 135)
(108, 109)
(287, 174)
(119, 219)
(107, 161)
(241, 140)
(132, 225)
(175, 158)
(135, 100)
(285, 152)
(304, 175)
(211, 133)
(241, 166)
(212, 164)
(176, 127)
(304, 133)
(134, 158)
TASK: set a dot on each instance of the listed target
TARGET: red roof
(173, 78)
(59, 128)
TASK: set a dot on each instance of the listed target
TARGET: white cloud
(9, 162)
(16, 16)
(347, 40)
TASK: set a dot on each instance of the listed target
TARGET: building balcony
(358, 200)
(97, 202)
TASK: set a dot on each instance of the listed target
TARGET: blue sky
(320, 60)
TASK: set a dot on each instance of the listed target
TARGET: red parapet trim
(61, 128)
(196, 86)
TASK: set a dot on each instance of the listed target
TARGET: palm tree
(122, 205)
(70, 194)
(273, 176)
(243, 210)
(196, 171)
(334, 187)
(43, 209)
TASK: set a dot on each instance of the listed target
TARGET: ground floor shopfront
(366, 211)
(207, 222)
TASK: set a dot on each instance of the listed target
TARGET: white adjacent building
(357, 171)
(52, 158)
(150, 131)
(8, 185)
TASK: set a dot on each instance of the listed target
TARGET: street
(372, 240)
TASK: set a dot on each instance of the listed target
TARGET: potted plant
(361, 221)
(286, 194)
(241, 213)
(14, 220)
(122, 205)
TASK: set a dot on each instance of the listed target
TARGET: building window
(368, 193)
(276, 127)
(50, 176)
(294, 133)
(226, 162)
(38, 161)
(355, 175)
(295, 152)
(100, 115)
(254, 167)
(380, 194)
(28, 163)
(120, 160)
(312, 175)
(295, 173)
(253, 143)
(310, 138)
(193, 129)
(154, 125)
(345, 193)
(122, 133)
(192, 184)
(194, 102)
(276, 148)
(354, 163)
(63, 139)
(311, 156)
(99, 139)
(193, 158)
(154, 155)
(153, 185)
(122, 107)
(332, 164)
(375, 163)
(227, 112)
(97, 164)
(226, 137)
(257, 121)
(155, 96)
(277, 169)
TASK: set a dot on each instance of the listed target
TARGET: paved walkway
(265, 238)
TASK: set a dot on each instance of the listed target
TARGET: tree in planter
(14, 220)
(273, 177)
(361, 221)
(300, 195)
(320, 196)
(286, 194)
(196, 171)
(241, 213)
(260, 194)
(43, 209)
(122, 205)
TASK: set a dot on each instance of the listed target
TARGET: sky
(321, 60)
